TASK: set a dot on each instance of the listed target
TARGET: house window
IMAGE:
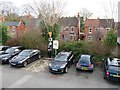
(66, 28)
(96, 29)
(13, 29)
(90, 30)
(89, 38)
(72, 28)
(63, 37)
(101, 28)
(107, 29)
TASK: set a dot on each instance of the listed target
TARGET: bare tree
(50, 11)
(111, 10)
(8, 9)
(85, 13)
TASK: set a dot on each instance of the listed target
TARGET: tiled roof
(68, 21)
(11, 23)
(99, 23)
(91, 23)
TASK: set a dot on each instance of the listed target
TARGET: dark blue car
(112, 69)
(85, 62)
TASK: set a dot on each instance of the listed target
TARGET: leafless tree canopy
(85, 13)
(8, 8)
(50, 11)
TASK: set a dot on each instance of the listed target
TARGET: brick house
(118, 28)
(96, 29)
(70, 27)
(15, 27)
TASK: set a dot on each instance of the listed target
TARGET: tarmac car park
(62, 60)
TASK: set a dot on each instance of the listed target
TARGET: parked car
(61, 62)
(85, 62)
(112, 69)
(9, 53)
(25, 57)
(3, 48)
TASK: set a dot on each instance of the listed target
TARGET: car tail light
(90, 65)
(77, 64)
(107, 73)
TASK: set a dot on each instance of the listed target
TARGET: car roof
(67, 53)
(31, 50)
(114, 61)
(85, 55)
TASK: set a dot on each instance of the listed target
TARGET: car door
(69, 60)
(36, 55)
(105, 65)
(31, 57)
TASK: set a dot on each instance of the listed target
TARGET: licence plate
(13, 63)
(116, 76)
(84, 68)
(54, 69)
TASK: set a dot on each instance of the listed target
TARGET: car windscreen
(84, 60)
(115, 63)
(10, 50)
(61, 57)
(24, 53)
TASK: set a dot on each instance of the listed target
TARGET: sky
(72, 7)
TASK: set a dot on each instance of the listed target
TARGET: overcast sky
(97, 7)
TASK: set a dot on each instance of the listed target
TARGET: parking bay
(37, 75)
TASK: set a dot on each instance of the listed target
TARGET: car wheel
(25, 64)
(66, 70)
(77, 69)
(104, 77)
(91, 71)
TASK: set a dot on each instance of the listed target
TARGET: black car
(9, 53)
(25, 57)
(112, 69)
(85, 62)
(3, 48)
(61, 62)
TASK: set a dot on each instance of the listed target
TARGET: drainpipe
(78, 27)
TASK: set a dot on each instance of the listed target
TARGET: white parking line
(20, 81)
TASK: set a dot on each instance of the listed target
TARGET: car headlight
(63, 66)
(5, 58)
(50, 64)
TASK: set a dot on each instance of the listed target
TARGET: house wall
(16, 30)
(96, 35)
(68, 35)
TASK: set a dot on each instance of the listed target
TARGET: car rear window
(115, 63)
(84, 60)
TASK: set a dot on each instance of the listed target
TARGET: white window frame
(13, 29)
(90, 30)
(107, 29)
(89, 38)
(72, 28)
